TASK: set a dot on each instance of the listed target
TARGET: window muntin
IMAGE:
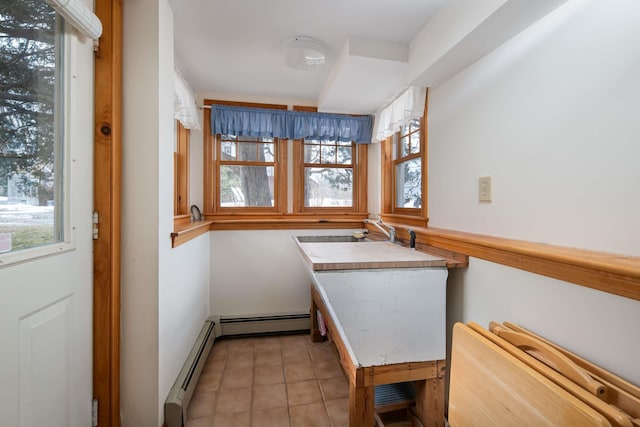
(30, 126)
(328, 174)
(246, 172)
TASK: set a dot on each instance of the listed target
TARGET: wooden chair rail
(613, 273)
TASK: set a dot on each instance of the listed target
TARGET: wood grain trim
(306, 108)
(360, 185)
(613, 273)
(283, 224)
(182, 170)
(245, 104)
(298, 176)
(387, 175)
(347, 364)
(400, 372)
(424, 140)
(185, 232)
(208, 166)
(107, 202)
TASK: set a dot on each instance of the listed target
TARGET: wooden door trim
(107, 203)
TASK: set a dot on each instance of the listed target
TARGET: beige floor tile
(202, 404)
(215, 363)
(334, 388)
(338, 412)
(269, 396)
(328, 369)
(241, 345)
(323, 351)
(220, 348)
(237, 378)
(295, 340)
(303, 392)
(311, 415)
(299, 372)
(209, 381)
(241, 419)
(278, 417)
(296, 356)
(265, 375)
(199, 422)
(268, 357)
(268, 343)
(240, 360)
(234, 400)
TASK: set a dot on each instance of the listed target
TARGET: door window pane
(30, 126)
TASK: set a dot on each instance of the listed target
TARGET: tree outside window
(30, 69)
(246, 171)
(328, 173)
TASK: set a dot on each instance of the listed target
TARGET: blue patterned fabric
(262, 122)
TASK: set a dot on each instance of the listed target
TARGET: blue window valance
(263, 122)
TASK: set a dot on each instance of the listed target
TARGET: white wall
(139, 347)
(552, 117)
(165, 291)
(253, 271)
(259, 272)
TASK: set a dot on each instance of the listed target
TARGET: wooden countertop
(365, 255)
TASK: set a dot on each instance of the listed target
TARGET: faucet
(391, 234)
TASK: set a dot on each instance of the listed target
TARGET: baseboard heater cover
(246, 325)
(175, 407)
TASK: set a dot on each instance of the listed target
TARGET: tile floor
(284, 381)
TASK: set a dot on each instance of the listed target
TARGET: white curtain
(407, 106)
(185, 109)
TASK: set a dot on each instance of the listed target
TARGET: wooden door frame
(107, 201)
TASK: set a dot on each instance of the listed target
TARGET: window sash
(246, 168)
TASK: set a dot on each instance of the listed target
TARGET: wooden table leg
(361, 406)
(430, 398)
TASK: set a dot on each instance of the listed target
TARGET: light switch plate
(484, 189)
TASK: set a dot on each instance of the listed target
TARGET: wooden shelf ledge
(613, 273)
(184, 232)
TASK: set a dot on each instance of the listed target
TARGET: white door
(46, 292)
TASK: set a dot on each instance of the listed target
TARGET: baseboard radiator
(175, 407)
(249, 325)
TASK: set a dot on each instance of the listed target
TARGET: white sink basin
(330, 239)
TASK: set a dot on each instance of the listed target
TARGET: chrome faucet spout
(391, 234)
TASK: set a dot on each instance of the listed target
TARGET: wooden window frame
(360, 170)
(181, 172)
(391, 212)
(359, 167)
(212, 168)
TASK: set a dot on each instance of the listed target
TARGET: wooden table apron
(428, 375)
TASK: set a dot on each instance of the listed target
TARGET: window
(30, 126)
(246, 179)
(404, 172)
(246, 172)
(407, 163)
(329, 176)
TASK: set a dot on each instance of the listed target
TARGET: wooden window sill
(285, 221)
(185, 231)
(613, 273)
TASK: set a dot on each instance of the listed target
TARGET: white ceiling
(233, 47)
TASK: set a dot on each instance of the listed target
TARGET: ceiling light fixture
(303, 53)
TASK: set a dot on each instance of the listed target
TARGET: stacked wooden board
(509, 376)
